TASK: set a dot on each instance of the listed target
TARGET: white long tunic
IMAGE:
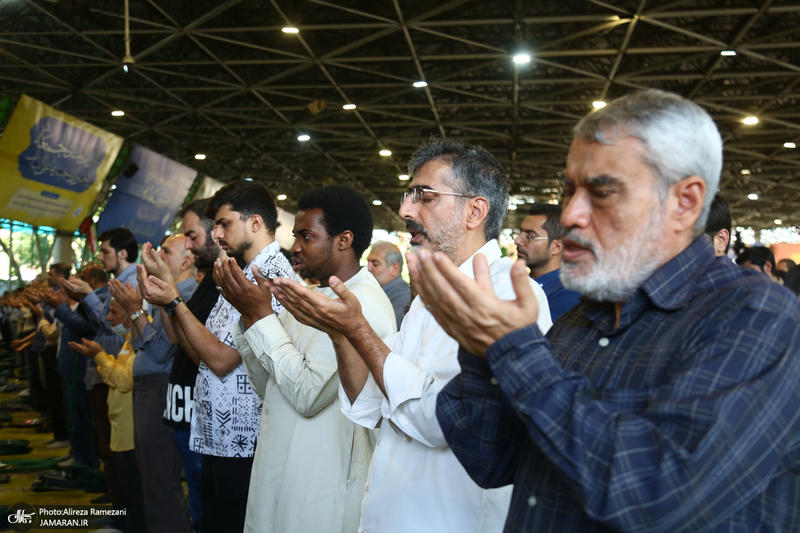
(415, 482)
(311, 462)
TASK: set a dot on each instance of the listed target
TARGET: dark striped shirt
(685, 418)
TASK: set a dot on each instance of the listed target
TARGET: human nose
(407, 209)
(519, 241)
(295, 249)
(576, 210)
(216, 233)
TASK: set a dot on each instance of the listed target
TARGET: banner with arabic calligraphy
(52, 165)
(147, 202)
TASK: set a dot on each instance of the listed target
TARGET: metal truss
(224, 80)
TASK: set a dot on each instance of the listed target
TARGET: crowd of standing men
(621, 376)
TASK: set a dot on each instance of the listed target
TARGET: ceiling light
(403, 177)
(349, 106)
(419, 84)
(599, 104)
(750, 121)
(745, 171)
(248, 179)
(199, 157)
(789, 145)
(125, 68)
(778, 221)
(113, 187)
(289, 29)
(728, 53)
(376, 202)
(522, 59)
(304, 138)
(385, 153)
(752, 196)
(512, 207)
(281, 197)
(118, 113)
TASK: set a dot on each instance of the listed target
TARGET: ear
(556, 247)
(477, 211)
(689, 194)
(255, 223)
(123, 254)
(767, 268)
(721, 239)
(394, 270)
(187, 262)
(344, 240)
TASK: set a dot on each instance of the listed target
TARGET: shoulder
(740, 288)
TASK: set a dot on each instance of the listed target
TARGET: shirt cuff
(402, 380)
(265, 334)
(522, 362)
(91, 299)
(103, 359)
(476, 376)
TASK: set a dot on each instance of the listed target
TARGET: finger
(480, 267)
(344, 294)
(468, 289)
(158, 283)
(522, 288)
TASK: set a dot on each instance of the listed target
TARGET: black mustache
(415, 226)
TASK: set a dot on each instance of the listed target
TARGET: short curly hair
(344, 209)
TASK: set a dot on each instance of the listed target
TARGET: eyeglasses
(527, 235)
(421, 193)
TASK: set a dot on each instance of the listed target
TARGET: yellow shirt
(118, 374)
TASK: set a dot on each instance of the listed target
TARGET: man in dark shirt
(180, 393)
(539, 245)
(667, 401)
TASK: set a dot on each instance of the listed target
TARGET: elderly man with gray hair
(385, 262)
(667, 400)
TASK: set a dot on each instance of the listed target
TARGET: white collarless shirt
(415, 482)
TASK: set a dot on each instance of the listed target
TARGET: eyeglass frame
(528, 238)
(421, 189)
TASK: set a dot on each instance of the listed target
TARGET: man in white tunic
(311, 462)
(456, 204)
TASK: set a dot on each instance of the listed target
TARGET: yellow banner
(52, 166)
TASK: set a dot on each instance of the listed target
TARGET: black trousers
(130, 490)
(54, 393)
(158, 453)
(224, 484)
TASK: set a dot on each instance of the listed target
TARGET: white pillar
(62, 248)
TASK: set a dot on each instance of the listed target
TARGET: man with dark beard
(456, 204)
(225, 413)
(667, 401)
(539, 245)
(311, 463)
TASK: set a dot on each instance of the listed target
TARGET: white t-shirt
(226, 409)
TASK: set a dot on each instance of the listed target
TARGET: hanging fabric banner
(149, 193)
(52, 165)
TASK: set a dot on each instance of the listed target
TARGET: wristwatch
(136, 315)
(170, 307)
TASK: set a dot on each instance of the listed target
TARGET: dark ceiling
(224, 80)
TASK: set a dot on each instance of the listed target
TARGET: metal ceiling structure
(221, 78)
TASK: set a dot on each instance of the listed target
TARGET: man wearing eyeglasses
(539, 245)
(456, 205)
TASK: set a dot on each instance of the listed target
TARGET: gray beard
(616, 274)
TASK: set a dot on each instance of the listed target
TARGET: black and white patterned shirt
(226, 409)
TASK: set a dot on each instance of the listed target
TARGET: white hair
(680, 136)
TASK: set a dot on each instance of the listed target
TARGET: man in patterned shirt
(226, 411)
(668, 400)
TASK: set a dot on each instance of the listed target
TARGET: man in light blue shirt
(157, 452)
